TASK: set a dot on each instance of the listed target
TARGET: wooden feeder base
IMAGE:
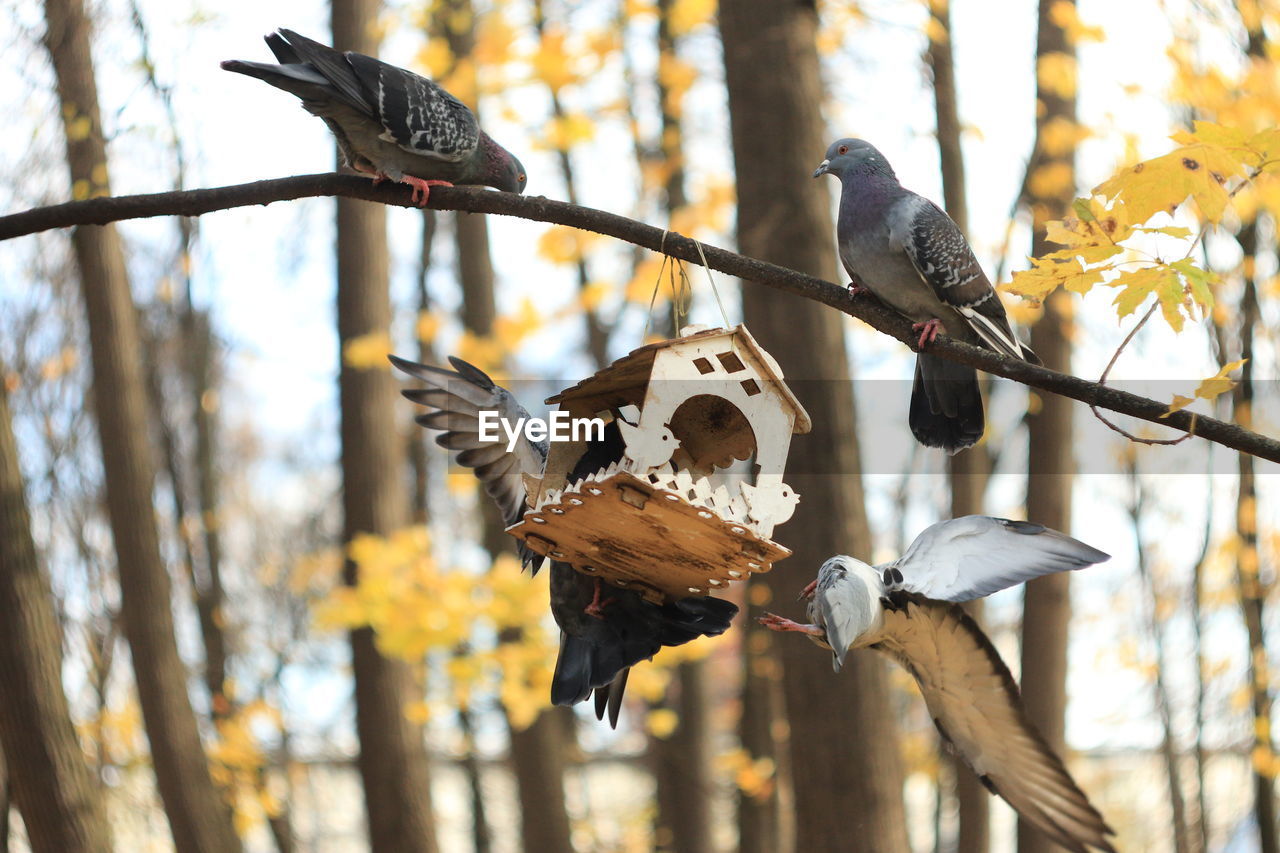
(625, 531)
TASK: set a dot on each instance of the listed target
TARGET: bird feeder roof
(623, 382)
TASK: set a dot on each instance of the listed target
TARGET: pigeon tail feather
(946, 404)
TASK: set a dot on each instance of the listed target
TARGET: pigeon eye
(521, 178)
(843, 149)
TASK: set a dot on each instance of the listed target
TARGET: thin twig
(1102, 380)
(100, 211)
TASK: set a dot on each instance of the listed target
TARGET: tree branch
(100, 211)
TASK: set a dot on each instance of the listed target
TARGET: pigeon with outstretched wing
(604, 630)
(907, 609)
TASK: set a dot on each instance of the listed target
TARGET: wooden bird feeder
(668, 519)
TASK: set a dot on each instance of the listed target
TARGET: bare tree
(855, 776)
(1050, 466)
(969, 469)
(53, 788)
(197, 815)
(393, 758)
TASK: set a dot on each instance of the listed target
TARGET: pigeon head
(502, 170)
(854, 157)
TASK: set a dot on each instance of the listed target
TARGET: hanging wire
(724, 315)
(682, 292)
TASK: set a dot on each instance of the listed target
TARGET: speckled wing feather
(975, 705)
(418, 115)
(942, 257)
(975, 555)
(456, 398)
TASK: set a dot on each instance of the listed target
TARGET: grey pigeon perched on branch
(604, 630)
(906, 251)
(390, 123)
(906, 608)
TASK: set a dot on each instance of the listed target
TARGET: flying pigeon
(604, 630)
(390, 123)
(907, 252)
(906, 608)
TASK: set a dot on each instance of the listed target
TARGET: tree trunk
(1253, 590)
(968, 470)
(197, 815)
(1162, 700)
(538, 751)
(393, 760)
(854, 778)
(1050, 466)
(682, 763)
(58, 797)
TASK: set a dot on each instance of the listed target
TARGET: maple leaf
(1208, 389)
(1199, 171)
(1136, 285)
(368, 351)
(1048, 274)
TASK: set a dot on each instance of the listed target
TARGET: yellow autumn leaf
(428, 326)
(552, 63)
(1044, 277)
(1179, 403)
(1161, 184)
(1051, 180)
(1065, 15)
(661, 722)
(1136, 285)
(561, 244)
(494, 39)
(684, 15)
(510, 330)
(564, 132)
(1056, 73)
(1219, 383)
(368, 351)
(592, 295)
(435, 58)
(78, 128)
(341, 609)
(1060, 136)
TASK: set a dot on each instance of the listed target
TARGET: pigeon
(604, 630)
(906, 251)
(390, 123)
(906, 608)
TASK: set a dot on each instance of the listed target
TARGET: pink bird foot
(777, 623)
(422, 188)
(928, 331)
(598, 603)
(809, 590)
(857, 288)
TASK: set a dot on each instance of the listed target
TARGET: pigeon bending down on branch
(906, 609)
(906, 251)
(390, 123)
(604, 630)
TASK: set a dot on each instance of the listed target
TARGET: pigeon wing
(455, 399)
(975, 555)
(942, 257)
(292, 48)
(416, 114)
(976, 707)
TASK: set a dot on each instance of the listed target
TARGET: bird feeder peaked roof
(624, 382)
(666, 518)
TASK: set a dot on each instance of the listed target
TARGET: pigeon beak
(822, 168)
